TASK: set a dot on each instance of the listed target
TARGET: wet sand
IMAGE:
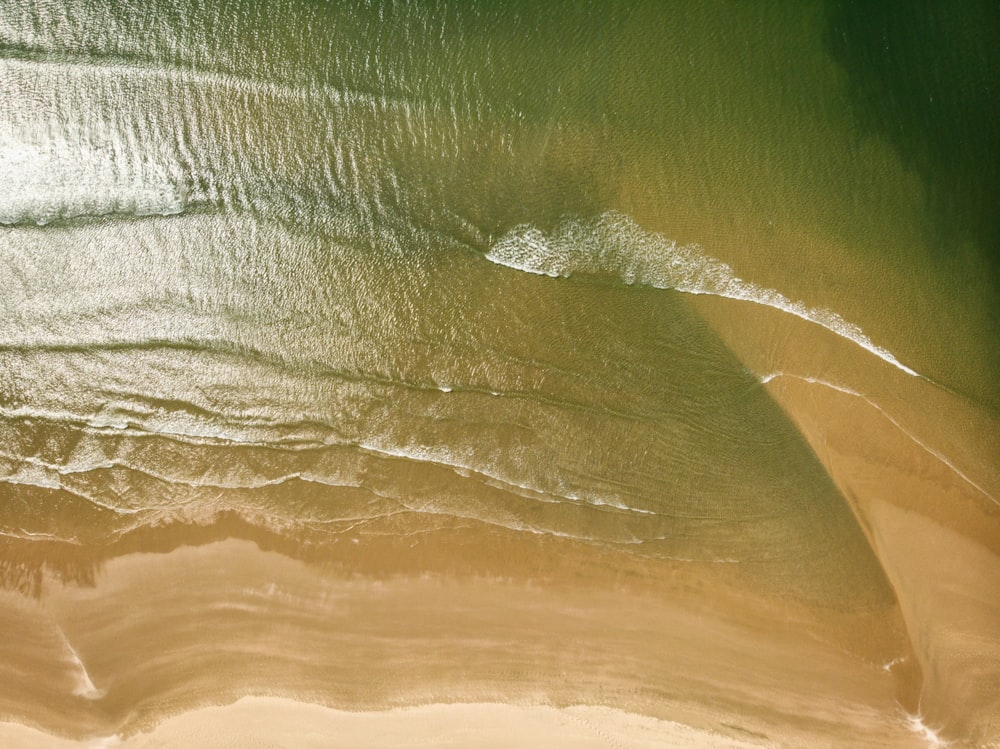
(121, 657)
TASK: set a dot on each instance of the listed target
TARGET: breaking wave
(614, 244)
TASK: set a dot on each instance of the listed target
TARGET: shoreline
(261, 719)
(123, 656)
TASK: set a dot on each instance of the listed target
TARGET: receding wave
(614, 244)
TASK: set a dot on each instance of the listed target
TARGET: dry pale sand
(272, 722)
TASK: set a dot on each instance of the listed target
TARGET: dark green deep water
(923, 77)
(267, 257)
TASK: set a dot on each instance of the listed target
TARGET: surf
(614, 245)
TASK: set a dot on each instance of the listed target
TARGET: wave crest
(613, 244)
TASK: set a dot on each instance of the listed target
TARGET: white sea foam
(84, 685)
(916, 724)
(889, 665)
(493, 476)
(44, 181)
(614, 244)
(105, 742)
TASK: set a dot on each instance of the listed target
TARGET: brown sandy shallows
(916, 458)
(918, 466)
(135, 638)
(161, 634)
(149, 636)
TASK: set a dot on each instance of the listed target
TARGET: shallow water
(381, 271)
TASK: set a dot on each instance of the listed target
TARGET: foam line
(614, 244)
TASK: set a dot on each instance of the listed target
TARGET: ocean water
(338, 269)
